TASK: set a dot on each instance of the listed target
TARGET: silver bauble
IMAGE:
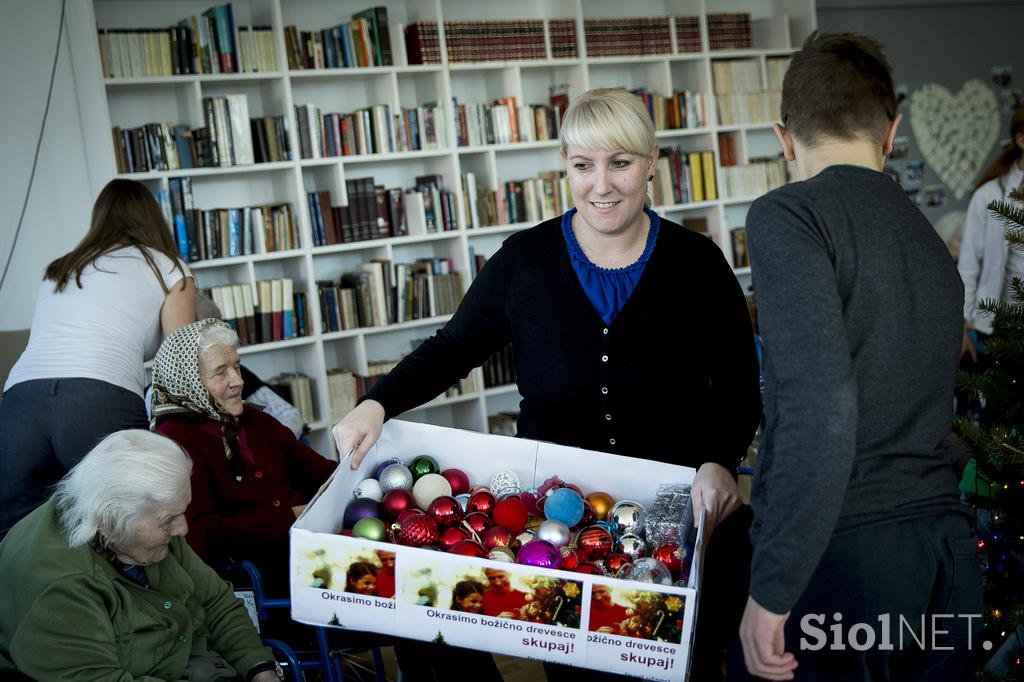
(646, 570)
(502, 554)
(555, 532)
(632, 545)
(505, 483)
(627, 516)
(369, 487)
(395, 477)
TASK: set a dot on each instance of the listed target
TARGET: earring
(650, 178)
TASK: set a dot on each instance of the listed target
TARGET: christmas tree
(995, 484)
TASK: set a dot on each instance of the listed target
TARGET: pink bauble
(540, 554)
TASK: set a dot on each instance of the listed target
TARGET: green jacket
(68, 614)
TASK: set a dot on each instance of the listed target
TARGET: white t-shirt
(107, 329)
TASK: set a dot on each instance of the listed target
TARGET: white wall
(58, 208)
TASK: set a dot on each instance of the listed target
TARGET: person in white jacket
(987, 263)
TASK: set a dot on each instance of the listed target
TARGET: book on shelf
(261, 317)
(362, 41)
(729, 30)
(682, 177)
(295, 388)
(681, 109)
(562, 38)
(370, 130)
(740, 257)
(423, 42)
(757, 177)
(499, 369)
(503, 122)
(739, 93)
(687, 29)
(495, 40)
(627, 36)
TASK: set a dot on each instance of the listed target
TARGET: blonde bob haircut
(608, 119)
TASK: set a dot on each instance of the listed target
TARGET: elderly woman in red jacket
(251, 478)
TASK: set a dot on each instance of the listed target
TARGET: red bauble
(451, 536)
(468, 548)
(418, 530)
(458, 480)
(668, 554)
(570, 559)
(510, 513)
(588, 516)
(496, 536)
(406, 513)
(481, 501)
(478, 522)
(614, 562)
(594, 543)
(395, 502)
(589, 569)
(446, 511)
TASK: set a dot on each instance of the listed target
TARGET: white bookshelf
(779, 26)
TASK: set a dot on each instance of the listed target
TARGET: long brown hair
(125, 214)
(1010, 153)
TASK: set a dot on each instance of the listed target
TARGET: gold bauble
(601, 503)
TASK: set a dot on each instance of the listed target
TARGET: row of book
(729, 30)
(297, 389)
(504, 122)
(755, 178)
(363, 41)
(759, 107)
(165, 146)
(619, 36)
(381, 292)
(270, 311)
(683, 177)
(732, 76)
(203, 43)
(499, 369)
(225, 232)
(345, 387)
(681, 109)
(495, 40)
(516, 201)
(371, 130)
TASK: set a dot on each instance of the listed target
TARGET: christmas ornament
(478, 522)
(565, 505)
(395, 502)
(670, 516)
(613, 563)
(473, 490)
(540, 554)
(601, 503)
(505, 483)
(510, 513)
(530, 499)
(525, 536)
(369, 529)
(555, 532)
(429, 488)
(497, 536)
(646, 570)
(377, 470)
(588, 516)
(632, 545)
(417, 531)
(501, 554)
(462, 498)
(608, 526)
(395, 477)
(410, 511)
(446, 511)
(458, 480)
(368, 487)
(589, 568)
(570, 559)
(363, 508)
(450, 536)
(686, 563)
(670, 555)
(468, 548)
(423, 465)
(594, 543)
(627, 516)
(481, 501)
(553, 483)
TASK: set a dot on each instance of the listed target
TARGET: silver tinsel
(670, 516)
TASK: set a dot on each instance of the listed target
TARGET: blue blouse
(607, 288)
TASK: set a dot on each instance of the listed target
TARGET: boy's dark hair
(838, 85)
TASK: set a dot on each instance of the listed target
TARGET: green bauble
(370, 529)
(423, 465)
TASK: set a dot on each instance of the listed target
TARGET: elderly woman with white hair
(107, 588)
(251, 477)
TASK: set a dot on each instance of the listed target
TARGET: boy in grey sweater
(859, 539)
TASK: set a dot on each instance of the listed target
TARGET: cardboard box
(425, 579)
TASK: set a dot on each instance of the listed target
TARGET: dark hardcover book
(328, 230)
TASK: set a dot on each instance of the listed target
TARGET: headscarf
(178, 389)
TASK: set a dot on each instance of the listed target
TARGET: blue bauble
(565, 505)
(362, 508)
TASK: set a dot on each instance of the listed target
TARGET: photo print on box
(495, 592)
(629, 612)
(358, 570)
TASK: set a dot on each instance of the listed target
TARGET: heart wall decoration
(955, 133)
